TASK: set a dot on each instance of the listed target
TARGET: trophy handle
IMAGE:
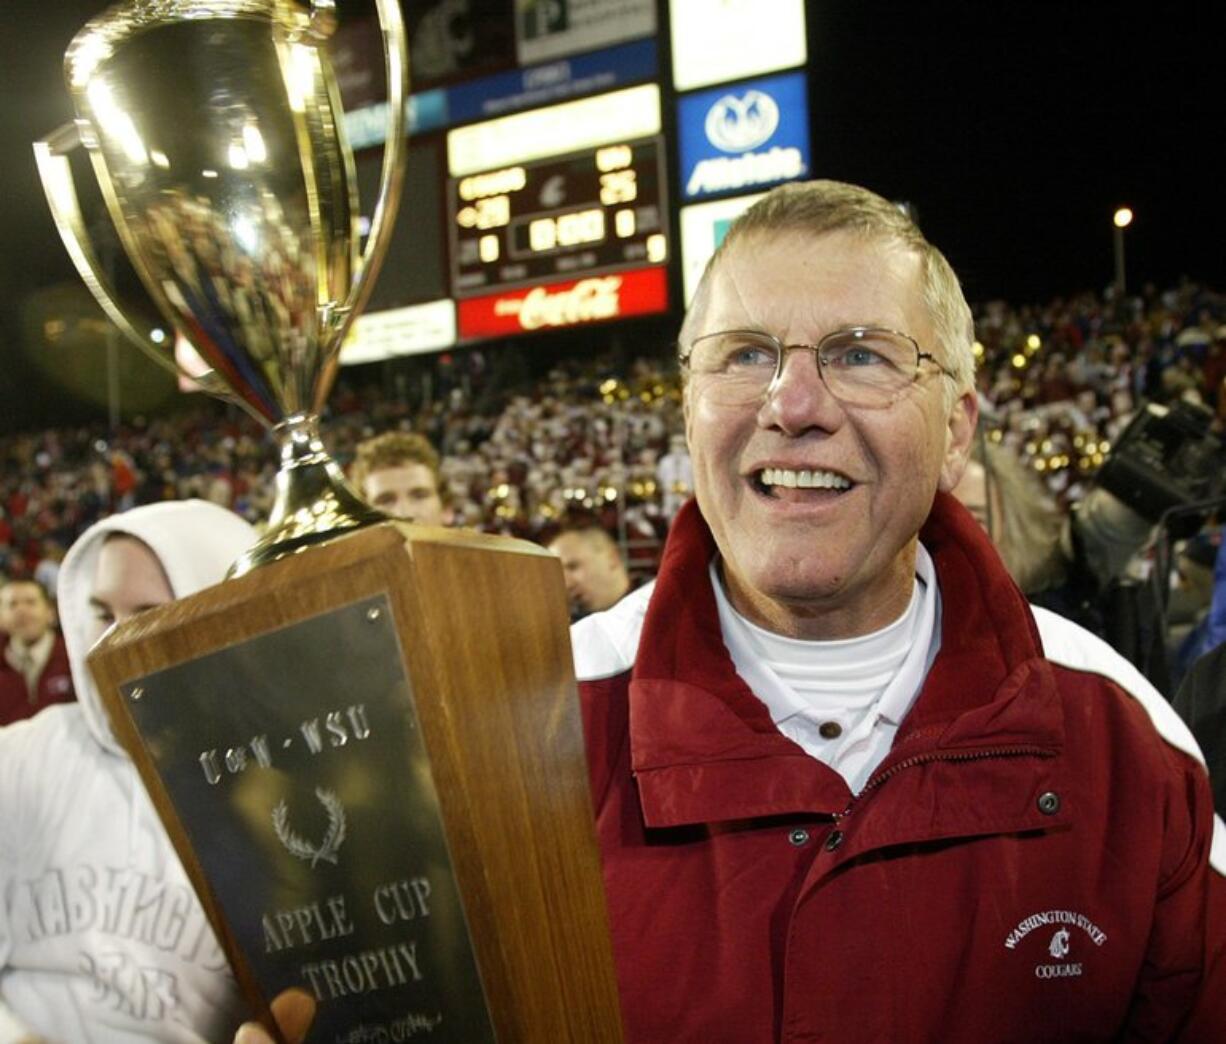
(55, 172)
(51, 155)
(383, 222)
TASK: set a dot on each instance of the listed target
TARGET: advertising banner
(546, 29)
(703, 226)
(555, 130)
(745, 136)
(556, 81)
(508, 92)
(453, 39)
(553, 306)
(400, 331)
(732, 39)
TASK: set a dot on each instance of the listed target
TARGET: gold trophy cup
(379, 736)
(215, 132)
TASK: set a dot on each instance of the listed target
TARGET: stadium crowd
(1058, 382)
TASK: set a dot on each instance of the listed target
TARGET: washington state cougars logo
(333, 838)
(1060, 944)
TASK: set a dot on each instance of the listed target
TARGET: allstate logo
(739, 124)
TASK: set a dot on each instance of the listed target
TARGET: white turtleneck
(840, 701)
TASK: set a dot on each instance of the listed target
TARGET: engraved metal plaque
(298, 770)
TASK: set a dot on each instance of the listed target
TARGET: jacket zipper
(920, 759)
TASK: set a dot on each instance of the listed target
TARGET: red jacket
(54, 684)
(1030, 862)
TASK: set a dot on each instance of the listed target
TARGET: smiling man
(848, 785)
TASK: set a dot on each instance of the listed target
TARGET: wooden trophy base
(369, 757)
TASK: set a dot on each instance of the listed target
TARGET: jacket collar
(704, 748)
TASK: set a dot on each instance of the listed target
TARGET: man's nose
(798, 399)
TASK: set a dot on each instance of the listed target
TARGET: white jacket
(102, 940)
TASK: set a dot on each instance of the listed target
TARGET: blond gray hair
(816, 208)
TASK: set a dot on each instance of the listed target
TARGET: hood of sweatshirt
(195, 541)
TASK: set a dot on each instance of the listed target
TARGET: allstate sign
(744, 136)
(737, 124)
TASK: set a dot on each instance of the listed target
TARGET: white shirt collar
(865, 685)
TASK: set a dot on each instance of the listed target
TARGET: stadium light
(1121, 220)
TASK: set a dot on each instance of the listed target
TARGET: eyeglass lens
(862, 366)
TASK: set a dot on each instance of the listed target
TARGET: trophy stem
(313, 501)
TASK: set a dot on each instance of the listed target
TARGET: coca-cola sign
(591, 299)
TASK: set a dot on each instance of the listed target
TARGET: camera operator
(1164, 470)
(1168, 467)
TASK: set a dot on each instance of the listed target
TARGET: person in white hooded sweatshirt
(102, 940)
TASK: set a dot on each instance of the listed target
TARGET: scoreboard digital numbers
(596, 211)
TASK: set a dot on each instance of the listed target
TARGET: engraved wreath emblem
(299, 846)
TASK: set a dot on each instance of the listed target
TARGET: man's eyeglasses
(861, 365)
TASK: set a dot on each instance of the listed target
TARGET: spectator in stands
(82, 960)
(47, 571)
(1209, 632)
(596, 577)
(34, 669)
(1214, 372)
(399, 474)
(1015, 511)
(1201, 702)
(1056, 383)
(675, 474)
(1070, 562)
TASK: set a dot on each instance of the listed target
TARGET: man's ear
(959, 438)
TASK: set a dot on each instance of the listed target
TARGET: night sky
(1018, 132)
(1015, 130)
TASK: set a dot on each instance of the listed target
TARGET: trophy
(365, 745)
(214, 130)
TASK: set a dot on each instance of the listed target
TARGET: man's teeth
(803, 479)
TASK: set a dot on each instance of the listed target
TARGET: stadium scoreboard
(537, 193)
(598, 210)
